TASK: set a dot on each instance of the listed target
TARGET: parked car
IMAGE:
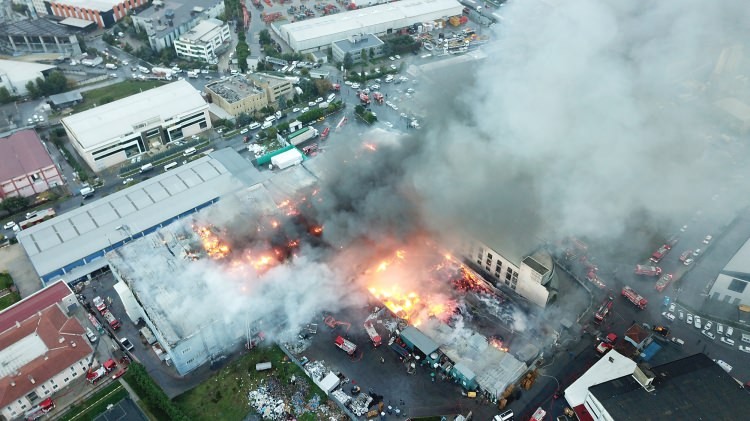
(669, 316)
(9, 225)
(708, 334)
(99, 304)
(672, 307)
(689, 319)
(697, 322)
(727, 341)
(720, 328)
(681, 314)
(127, 344)
(744, 348)
(709, 324)
(707, 239)
(729, 332)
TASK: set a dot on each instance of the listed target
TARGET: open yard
(97, 403)
(225, 396)
(7, 297)
(114, 92)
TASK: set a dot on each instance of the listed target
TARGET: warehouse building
(104, 13)
(72, 246)
(42, 350)
(166, 20)
(14, 75)
(38, 36)
(137, 124)
(732, 284)
(319, 33)
(26, 168)
(354, 45)
(204, 42)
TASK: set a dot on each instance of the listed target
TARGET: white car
(681, 314)
(669, 316)
(697, 252)
(720, 328)
(389, 124)
(127, 180)
(689, 319)
(727, 341)
(306, 109)
(348, 82)
(398, 57)
(697, 322)
(295, 110)
(730, 331)
(391, 58)
(375, 87)
(688, 261)
(709, 324)
(393, 67)
(319, 100)
(403, 115)
(311, 104)
(9, 225)
(707, 239)
(684, 228)
(709, 334)
(127, 344)
(672, 307)
(355, 85)
(744, 348)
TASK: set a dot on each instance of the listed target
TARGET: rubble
(341, 397)
(361, 404)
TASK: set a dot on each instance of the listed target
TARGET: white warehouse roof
(612, 365)
(85, 231)
(100, 124)
(317, 32)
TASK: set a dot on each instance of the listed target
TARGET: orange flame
(370, 146)
(212, 244)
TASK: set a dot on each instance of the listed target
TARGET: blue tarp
(650, 351)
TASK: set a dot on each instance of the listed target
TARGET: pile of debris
(361, 404)
(266, 404)
(273, 399)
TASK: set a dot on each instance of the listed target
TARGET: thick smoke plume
(586, 116)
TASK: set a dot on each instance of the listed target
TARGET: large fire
(214, 246)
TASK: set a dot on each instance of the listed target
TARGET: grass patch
(9, 300)
(6, 281)
(224, 396)
(96, 404)
(114, 92)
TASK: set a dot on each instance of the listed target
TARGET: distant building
(38, 36)
(104, 13)
(137, 123)
(693, 387)
(236, 94)
(354, 45)
(42, 349)
(732, 284)
(204, 41)
(14, 75)
(166, 20)
(26, 168)
(248, 93)
(318, 33)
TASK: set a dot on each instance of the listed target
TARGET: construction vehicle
(663, 282)
(660, 253)
(647, 270)
(634, 297)
(347, 346)
(96, 323)
(371, 332)
(604, 310)
(332, 323)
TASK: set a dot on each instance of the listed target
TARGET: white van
(331, 97)
(271, 119)
(746, 338)
(146, 167)
(724, 365)
(254, 125)
(678, 341)
(170, 166)
(188, 152)
(245, 130)
(266, 124)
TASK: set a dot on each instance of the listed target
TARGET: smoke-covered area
(585, 115)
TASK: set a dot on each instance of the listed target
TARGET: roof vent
(645, 378)
(12, 383)
(61, 340)
(31, 379)
(73, 344)
(18, 324)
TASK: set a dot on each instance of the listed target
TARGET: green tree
(359, 109)
(93, 52)
(5, 96)
(282, 102)
(243, 119)
(372, 53)
(32, 89)
(322, 86)
(363, 56)
(15, 203)
(348, 61)
(264, 37)
(305, 72)
(128, 48)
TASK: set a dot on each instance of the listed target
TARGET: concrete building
(354, 45)
(693, 387)
(611, 366)
(166, 20)
(531, 276)
(38, 36)
(319, 33)
(104, 13)
(72, 246)
(731, 284)
(14, 75)
(42, 349)
(137, 123)
(204, 42)
(248, 93)
(26, 168)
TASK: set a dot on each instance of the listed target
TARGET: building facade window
(737, 285)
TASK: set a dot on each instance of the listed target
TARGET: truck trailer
(302, 135)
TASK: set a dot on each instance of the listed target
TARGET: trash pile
(361, 404)
(266, 404)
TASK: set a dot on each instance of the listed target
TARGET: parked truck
(112, 320)
(372, 333)
(378, 97)
(647, 270)
(92, 62)
(660, 253)
(162, 72)
(192, 74)
(347, 346)
(634, 297)
(302, 135)
(111, 66)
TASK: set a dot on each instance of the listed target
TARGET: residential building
(102, 12)
(204, 42)
(248, 93)
(137, 124)
(166, 20)
(38, 36)
(71, 245)
(693, 387)
(26, 168)
(319, 33)
(14, 75)
(42, 349)
(354, 45)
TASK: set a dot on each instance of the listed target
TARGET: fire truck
(607, 344)
(325, 132)
(647, 270)
(634, 297)
(112, 320)
(371, 332)
(660, 253)
(364, 99)
(346, 345)
(40, 410)
(604, 310)
(663, 282)
(96, 323)
(378, 97)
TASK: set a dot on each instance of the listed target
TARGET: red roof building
(41, 350)
(26, 168)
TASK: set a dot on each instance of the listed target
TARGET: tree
(305, 71)
(282, 102)
(348, 61)
(128, 48)
(5, 96)
(264, 37)
(372, 53)
(359, 109)
(15, 203)
(92, 52)
(363, 56)
(32, 89)
(243, 119)
(322, 86)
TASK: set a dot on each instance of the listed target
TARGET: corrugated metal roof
(419, 339)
